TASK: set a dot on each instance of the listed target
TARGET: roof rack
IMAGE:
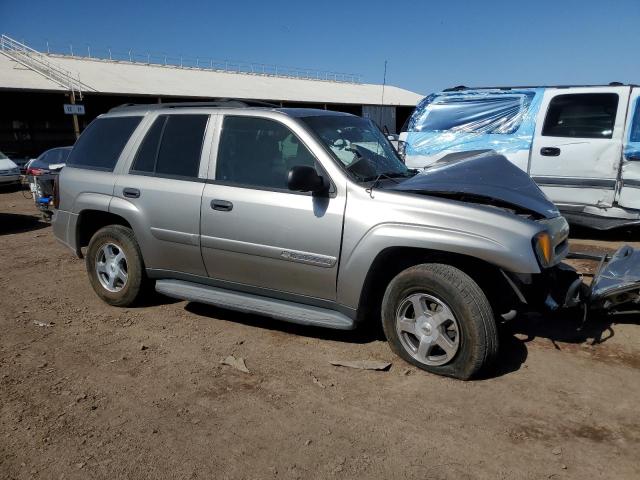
(460, 88)
(217, 103)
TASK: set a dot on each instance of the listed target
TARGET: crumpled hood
(483, 174)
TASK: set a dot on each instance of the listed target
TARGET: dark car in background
(41, 174)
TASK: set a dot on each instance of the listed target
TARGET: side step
(249, 303)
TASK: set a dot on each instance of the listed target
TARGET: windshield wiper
(380, 176)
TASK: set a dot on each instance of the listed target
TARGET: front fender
(513, 253)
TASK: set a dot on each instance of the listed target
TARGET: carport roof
(125, 78)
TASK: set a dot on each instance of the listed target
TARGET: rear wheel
(437, 318)
(115, 266)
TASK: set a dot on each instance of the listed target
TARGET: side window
(581, 115)
(102, 142)
(145, 161)
(472, 113)
(634, 136)
(172, 146)
(59, 155)
(258, 152)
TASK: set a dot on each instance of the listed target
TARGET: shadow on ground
(625, 234)
(566, 331)
(16, 223)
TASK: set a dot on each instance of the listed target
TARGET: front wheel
(115, 267)
(437, 318)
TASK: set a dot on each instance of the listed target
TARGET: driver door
(255, 233)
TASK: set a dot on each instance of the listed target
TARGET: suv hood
(480, 177)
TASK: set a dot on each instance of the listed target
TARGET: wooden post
(76, 126)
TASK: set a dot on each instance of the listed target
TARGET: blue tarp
(474, 120)
(632, 145)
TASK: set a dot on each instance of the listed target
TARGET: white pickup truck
(581, 144)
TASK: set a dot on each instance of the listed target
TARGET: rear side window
(581, 115)
(172, 147)
(100, 145)
(472, 113)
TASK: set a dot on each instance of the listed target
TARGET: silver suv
(309, 216)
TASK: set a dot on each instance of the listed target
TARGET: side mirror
(303, 178)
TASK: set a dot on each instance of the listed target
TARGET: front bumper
(617, 281)
(615, 284)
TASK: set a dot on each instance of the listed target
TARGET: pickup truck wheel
(437, 318)
(115, 266)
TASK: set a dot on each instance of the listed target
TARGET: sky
(428, 45)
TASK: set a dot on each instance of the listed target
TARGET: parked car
(9, 171)
(310, 216)
(21, 162)
(41, 173)
(580, 144)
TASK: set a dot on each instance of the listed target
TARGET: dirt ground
(107, 393)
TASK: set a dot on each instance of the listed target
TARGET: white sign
(71, 109)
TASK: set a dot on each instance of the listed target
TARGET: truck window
(258, 152)
(634, 136)
(172, 147)
(101, 144)
(472, 113)
(581, 115)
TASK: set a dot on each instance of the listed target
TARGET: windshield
(358, 145)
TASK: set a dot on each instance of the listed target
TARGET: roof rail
(514, 87)
(217, 103)
(455, 89)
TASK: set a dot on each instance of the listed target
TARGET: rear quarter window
(101, 144)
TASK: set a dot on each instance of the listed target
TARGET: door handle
(221, 205)
(550, 151)
(131, 192)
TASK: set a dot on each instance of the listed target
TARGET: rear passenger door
(577, 146)
(161, 191)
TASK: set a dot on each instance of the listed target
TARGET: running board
(248, 303)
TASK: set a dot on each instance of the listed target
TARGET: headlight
(544, 248)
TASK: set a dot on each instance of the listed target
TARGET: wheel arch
(393, 260)
(90, 221)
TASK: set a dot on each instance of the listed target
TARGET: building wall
(32, 122)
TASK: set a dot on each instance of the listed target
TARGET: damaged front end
(615, 285)
(487, 178)
(617, 281)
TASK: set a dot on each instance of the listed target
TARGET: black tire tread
(137, 277)
(470, 293)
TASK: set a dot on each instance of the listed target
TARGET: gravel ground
(92, 391)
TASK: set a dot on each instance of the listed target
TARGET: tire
(455, 335)
(130, 279)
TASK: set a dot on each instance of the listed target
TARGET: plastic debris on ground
(362, 364)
